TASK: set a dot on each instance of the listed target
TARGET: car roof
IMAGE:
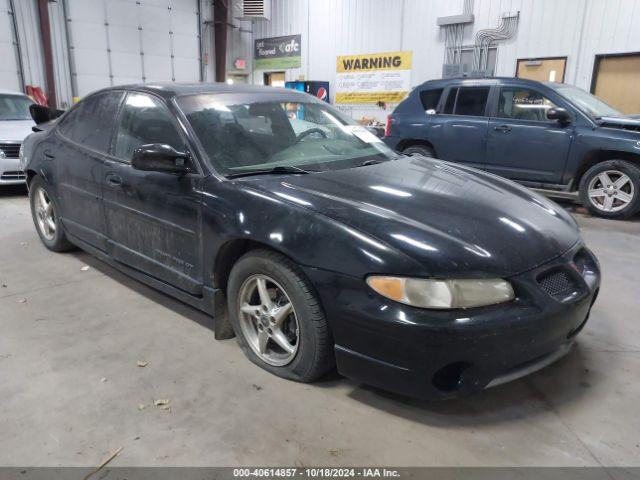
(168, 90)
(11, 92)
(441, 83)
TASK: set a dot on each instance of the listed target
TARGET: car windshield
(588, 103)
(241, 133)
(14, 107)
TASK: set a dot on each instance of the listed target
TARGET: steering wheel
(309, 132)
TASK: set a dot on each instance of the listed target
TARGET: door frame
(267, 74)
(596, 65)
(197, 284)
(564, 70)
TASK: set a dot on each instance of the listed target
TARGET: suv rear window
(430, 98)
(469, 101)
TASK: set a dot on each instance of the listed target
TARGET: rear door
(153, 218)
(459, 131)
(523, 144)
(84, 139)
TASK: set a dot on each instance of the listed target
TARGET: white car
(15, 125)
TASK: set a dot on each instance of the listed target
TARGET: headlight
(23, 159)
(442, 294)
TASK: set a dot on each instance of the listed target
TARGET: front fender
(234, 211)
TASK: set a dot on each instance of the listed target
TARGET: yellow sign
(373, 78)
(375, 61)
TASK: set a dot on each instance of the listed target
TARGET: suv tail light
(387, 127)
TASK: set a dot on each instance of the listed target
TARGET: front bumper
(10, 173)
(430, 353)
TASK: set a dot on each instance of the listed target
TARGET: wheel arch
(230, 252)
(31, 174)
(598, 156)
(412, 142)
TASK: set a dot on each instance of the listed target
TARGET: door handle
(114, 180)
(502, 128)
(48, 155)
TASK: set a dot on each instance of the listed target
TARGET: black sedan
(313, 242)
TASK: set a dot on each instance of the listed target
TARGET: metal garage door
(114, 42)
(9, 71)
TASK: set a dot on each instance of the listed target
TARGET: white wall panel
(30, 42)
(9, 68)
(128, 41)
(577, 29)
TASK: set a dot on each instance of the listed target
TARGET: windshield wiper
(267, 171)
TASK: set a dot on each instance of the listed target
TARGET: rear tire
(45, 214)
(611, 189)
(419, 150)
(296, 345)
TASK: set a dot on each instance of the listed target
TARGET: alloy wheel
(611, 191)
(45, 214)
(268, 320)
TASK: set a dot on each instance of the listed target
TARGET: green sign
(277, 53)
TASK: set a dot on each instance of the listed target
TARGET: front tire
(278, 318)
(611, 189)
(419, 150)
(44, 211)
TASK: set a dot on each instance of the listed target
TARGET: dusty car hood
(15, 130)
(449, 219)
(628, 122)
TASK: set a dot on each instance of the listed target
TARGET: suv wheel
(419, 150)
(277, 317)
(611, 189)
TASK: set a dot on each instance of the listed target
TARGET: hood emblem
(2, 154)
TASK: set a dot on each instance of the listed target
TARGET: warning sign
(372, 78)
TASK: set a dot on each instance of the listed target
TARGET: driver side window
(523, 104)
(144, 120)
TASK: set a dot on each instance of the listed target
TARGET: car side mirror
(160, 157)
(559, 114)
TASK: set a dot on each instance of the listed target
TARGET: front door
(85, 135)
(153, 218)
(459, 133)
(523, 144)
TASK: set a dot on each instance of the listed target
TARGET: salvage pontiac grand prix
(271, 210)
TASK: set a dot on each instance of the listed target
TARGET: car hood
(628, 122)
(449, 219)
(15, 130)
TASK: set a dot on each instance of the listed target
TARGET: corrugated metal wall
(97, 43)
(9, 68)
(28, 36)
(578, 29)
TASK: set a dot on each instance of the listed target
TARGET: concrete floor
(70, 388)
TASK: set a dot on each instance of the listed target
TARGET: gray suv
(543, 135)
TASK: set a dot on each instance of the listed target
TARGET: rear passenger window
(451, 101)
(430, 98)
(472, 101)
(91, 122)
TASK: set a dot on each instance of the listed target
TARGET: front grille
(11, 150)
(14, 175)
(556, 282)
